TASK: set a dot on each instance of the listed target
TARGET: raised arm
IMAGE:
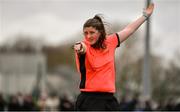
(131, 28)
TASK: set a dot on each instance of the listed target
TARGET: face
(91, 34)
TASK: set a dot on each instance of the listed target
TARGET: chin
(92, 43)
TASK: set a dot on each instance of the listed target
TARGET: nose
(88, 36)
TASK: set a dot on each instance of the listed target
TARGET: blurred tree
(59, 55)
(164, 80)
(23, 43)
(129, 65)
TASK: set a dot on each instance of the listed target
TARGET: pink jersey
(97, 67)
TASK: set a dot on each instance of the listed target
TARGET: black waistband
(97, 93)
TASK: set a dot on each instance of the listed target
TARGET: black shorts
(96, 101)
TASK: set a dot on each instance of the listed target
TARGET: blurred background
(37, 65)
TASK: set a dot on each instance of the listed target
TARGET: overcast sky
(58, 20)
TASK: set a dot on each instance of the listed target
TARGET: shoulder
(113, 39)
(112, 36)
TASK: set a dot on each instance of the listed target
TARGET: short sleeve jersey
(97, 67)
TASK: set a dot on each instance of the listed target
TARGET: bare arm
(131, 28)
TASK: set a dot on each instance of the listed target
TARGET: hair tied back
(98, 17)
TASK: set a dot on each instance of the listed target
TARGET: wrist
(145, 15)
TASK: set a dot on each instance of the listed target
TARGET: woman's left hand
(149, 9)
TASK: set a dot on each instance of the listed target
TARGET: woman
(95, 62)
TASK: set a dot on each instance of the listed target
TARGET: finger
(151, 6)
(78, 46)
(77, 43)
(73, 46)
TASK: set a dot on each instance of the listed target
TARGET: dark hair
(97, 23)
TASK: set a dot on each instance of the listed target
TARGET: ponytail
(97, 17)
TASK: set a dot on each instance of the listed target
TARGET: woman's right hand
(80, 47)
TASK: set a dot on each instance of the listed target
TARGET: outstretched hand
(149, 9)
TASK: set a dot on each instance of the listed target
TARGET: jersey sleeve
(114, 40)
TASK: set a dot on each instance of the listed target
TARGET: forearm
(131, 28)
(135, 25)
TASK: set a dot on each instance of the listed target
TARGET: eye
(92, 32)
(85, 33)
